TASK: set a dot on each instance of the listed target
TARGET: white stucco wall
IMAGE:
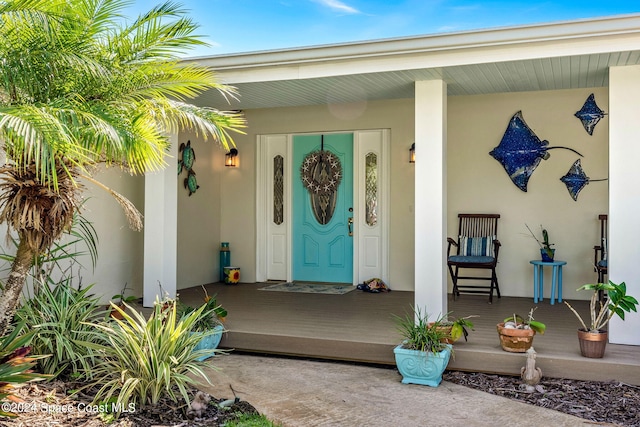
(199, 221)
(476, 182)
(479, 183)
(238, 186)
(120, 249)
(223, 209)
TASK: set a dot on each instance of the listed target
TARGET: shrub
(216, 312)
(61, 317)
(145, 360)
(15, 367)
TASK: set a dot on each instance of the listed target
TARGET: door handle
(350, 225)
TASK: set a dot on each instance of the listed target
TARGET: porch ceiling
(583, 71)
(566, 55)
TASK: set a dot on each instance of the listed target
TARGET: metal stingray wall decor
(520, 151)
(590, 114)
(576, 179)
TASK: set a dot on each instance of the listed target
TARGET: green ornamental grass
(60, 317)
(146, 359)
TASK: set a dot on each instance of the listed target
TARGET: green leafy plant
(216, 313)
(618, 304)
(518, 322)
(146, 359)
(459, 327)
(15, 366)
(120, 298)
(60, 316)
(544, 244)
(420, 334)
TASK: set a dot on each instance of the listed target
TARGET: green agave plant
(146, 359)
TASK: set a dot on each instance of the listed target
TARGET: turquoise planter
(210, 342)
(419, 367)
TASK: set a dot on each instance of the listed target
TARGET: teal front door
(322, 210)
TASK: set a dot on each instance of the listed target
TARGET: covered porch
(452, 96)
(359, 327)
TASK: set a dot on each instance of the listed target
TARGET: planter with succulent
(516, 332)
(593, 337)
(212, 317)
(547, 253)
(422, 356)
(120, 300)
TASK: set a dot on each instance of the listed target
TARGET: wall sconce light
(231, 158)
(412, 153)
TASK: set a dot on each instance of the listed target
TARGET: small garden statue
(530, 374)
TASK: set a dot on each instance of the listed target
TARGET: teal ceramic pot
(210, 342)
(419, 367)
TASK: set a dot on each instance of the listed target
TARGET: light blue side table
(538, 280)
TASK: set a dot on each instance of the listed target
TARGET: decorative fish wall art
(576, 179)
(590, 114)
(187, 159)
(520, 151)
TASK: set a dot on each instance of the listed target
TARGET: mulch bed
(49, 404)
(611, 403)
(606, 403)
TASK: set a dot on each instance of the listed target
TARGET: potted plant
(546, 251)
(422, 356)
(120, 300)
(516, 333)
(456, 328)
(212, 317)
(593, 337)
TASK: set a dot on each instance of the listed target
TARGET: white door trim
(268, 244)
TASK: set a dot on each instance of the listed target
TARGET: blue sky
(231, 26)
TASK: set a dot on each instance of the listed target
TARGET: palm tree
(81, 86)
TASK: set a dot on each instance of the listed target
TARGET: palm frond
(204, 121)
(134, 217)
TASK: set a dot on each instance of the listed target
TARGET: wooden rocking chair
(477, 247)
(600, 255)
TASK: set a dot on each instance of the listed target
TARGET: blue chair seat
(471, 259)
(603, 263)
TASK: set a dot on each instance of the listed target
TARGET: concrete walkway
(296, 393)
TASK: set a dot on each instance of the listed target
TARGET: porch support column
(430, 196)
(624, 193)
(160, 228)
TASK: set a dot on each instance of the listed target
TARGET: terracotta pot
(515, 340)
(447, 330)
(593, 344)
(116, 314)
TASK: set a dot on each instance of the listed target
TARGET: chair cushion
(603, 263)
(476, 246)
(471, 259)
